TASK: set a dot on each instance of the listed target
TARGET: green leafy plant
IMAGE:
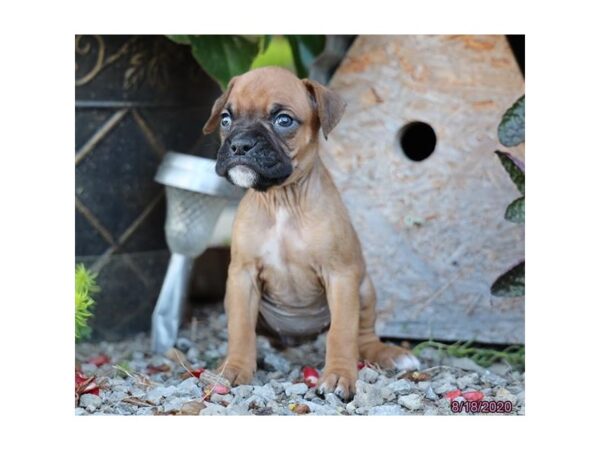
(225, 56)
(485, 357)
(511, 132)
(85, 286)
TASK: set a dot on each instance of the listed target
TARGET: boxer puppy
(296, 260)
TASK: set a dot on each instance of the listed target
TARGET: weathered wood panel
(433, 232)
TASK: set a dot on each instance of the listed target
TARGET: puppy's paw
(390, 356)
(236, 373)
(339, 380)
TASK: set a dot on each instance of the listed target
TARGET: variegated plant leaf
(511, 130)
(511, 283)
(515, 169)
(515, 212)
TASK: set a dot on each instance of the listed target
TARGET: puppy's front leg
(340, 371)
(241, 305)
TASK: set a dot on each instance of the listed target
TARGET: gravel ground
(157, 385)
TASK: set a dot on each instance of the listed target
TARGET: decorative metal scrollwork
(146, 63)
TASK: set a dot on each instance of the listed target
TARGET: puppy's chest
(293, 298)
(286, 257)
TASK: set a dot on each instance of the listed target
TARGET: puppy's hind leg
(370, 348)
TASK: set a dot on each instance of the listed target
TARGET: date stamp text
(482, 406)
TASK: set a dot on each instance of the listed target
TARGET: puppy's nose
(242, 145)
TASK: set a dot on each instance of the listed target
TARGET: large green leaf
(265, 41)
(515, 212)
(512, 283)
(515, 168)
(223, 57)
(276, 53)
(511, 130)
(305, 49)
(179, 38)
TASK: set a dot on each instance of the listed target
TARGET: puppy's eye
(225, 120)
(283, 121)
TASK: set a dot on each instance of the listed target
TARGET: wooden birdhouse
(414, 160)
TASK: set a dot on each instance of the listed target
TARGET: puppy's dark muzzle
(259, 152)
(242, 145)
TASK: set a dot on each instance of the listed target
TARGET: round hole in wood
(417, 140)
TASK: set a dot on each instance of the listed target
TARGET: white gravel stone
(212, 354)
(175, 404)
(193, 354)
(273, 361)
(503, 394)
(239, 409)
(255, 401)
(386, 410)
(321, 410)
(80, 411)
(465, 364)
(443, 387)
(242, 391)
(277, 386)
(367, 374)
(401, 386)
(116, 396)
(123, 409)
(491, 378)
(333, 400)
(501, 369)
(189, 387)
(183, 344)
(296, 389)
(367, 395)
(213, 409)
(267, 392)
(388, 394)
(158, 393)
(90, 402)
(137, 392)
(311, 394)
(120, 387)
(411, 401)
(430, 395)
(220, 398)
(468, 380)
(149, 411)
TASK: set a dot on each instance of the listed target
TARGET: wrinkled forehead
(256, 94)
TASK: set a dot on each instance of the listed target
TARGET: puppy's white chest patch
(272, 249)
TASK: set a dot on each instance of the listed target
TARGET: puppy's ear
(215, 114)
(330, 106)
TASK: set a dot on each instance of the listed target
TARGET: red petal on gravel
(79, 378)
(220, 389)
(360, 365)
(92, 390)
(473, 396)
(99, 360)
(85, 385)
(197, 372)
(451, 395)
(310, 375)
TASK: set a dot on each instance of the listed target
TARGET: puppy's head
(269, 122)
